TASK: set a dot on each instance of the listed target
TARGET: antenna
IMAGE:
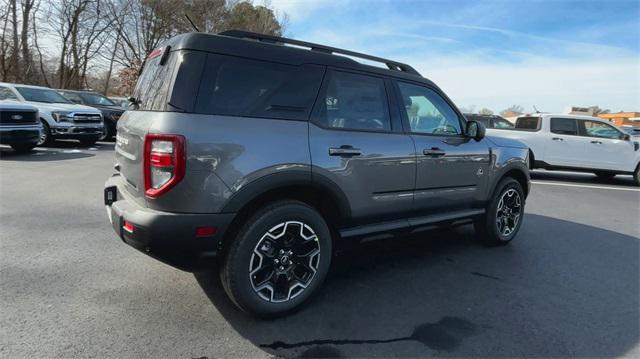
(191, 22)
(534, 107)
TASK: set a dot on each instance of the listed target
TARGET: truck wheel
(279, 258)
(23, 147)
(503, 217)
(45, 134)
(636, 176)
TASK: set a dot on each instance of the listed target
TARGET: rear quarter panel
(225, 154)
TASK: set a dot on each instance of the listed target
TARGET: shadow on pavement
(58, 151)
(582, 178)
(561, 289)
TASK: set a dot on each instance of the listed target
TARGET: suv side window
(73, 97)
(428, 112)
(501, 123)
(564, 126)
(599, 129)
(240, 87)
(7, 94)
(352, 101)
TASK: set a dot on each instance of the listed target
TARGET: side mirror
(626, 137)
(475, 130)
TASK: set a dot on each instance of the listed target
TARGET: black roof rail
(392, 65)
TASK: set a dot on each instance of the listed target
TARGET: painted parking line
(586, 186)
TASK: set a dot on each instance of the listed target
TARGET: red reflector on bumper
(206, 231)
(128, 226)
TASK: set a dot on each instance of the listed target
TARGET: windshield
(95, 99)
(41, 95)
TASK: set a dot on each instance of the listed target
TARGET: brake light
(164, 163)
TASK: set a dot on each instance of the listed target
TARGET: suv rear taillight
(164, 163)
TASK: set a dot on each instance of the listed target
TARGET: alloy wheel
(284, 262)
(509, 212)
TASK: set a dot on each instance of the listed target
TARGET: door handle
(433, 151)
(344, 150)
(558, 139)
(596, 142)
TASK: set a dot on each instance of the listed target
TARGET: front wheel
(503, 217)
(45, 134)
(279, 258)
(636, 176)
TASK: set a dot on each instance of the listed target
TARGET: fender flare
(284, 179)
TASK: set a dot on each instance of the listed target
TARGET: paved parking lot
(567, 286)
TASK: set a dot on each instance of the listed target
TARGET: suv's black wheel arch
(519, 173)
(321, 194)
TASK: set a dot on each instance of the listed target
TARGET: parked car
(227, 154)
(633, 131)
(19, 125)
(60, 117)
(576, 143)
(122, 102)
(111, 112)
(490, 121)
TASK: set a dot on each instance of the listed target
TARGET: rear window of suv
(154, 84)
(528, 123)
(251, 88)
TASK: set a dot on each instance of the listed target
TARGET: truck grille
(86, 118)
(13, 117)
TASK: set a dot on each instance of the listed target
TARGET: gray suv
(266, 153)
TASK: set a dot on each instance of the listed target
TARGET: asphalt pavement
(567, 286)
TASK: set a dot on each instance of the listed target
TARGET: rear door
(605, 146)
(357, 143)
(564, 146)
(451, 168)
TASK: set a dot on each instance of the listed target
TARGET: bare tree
(485, 111)
(512, 110)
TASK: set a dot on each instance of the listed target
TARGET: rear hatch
(152, 92)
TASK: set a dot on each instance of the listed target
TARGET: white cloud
(298, 10)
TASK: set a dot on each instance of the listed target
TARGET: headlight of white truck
(62, 116)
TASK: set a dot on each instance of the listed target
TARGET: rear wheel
(503, 217)
(278, 260)
(636, 176)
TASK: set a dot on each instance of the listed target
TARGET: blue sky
(493, 54)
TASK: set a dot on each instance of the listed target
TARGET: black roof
(272, 48)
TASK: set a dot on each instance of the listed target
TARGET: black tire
(487, 226)
(23, 147)
(243, 258)
(109, 132)
(45, 134)
(636, 176)
(86, 142)
(605, 175)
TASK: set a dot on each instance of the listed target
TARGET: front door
(452, 169)
(606, 147)
(357, 144)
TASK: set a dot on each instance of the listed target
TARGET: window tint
(354, 102)
(599, 129)
(96, 99)
(7, 94)
(564, 126)
(72, 96)
(41, 95)
(428, 112)
(482, 119)
(528, 123)
(501, 123)
(240, 87)
(155, 81)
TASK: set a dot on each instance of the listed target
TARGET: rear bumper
(168, 237)
(10, 134)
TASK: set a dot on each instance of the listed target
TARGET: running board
(409, 223)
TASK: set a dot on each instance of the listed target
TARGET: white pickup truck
(576, 143)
